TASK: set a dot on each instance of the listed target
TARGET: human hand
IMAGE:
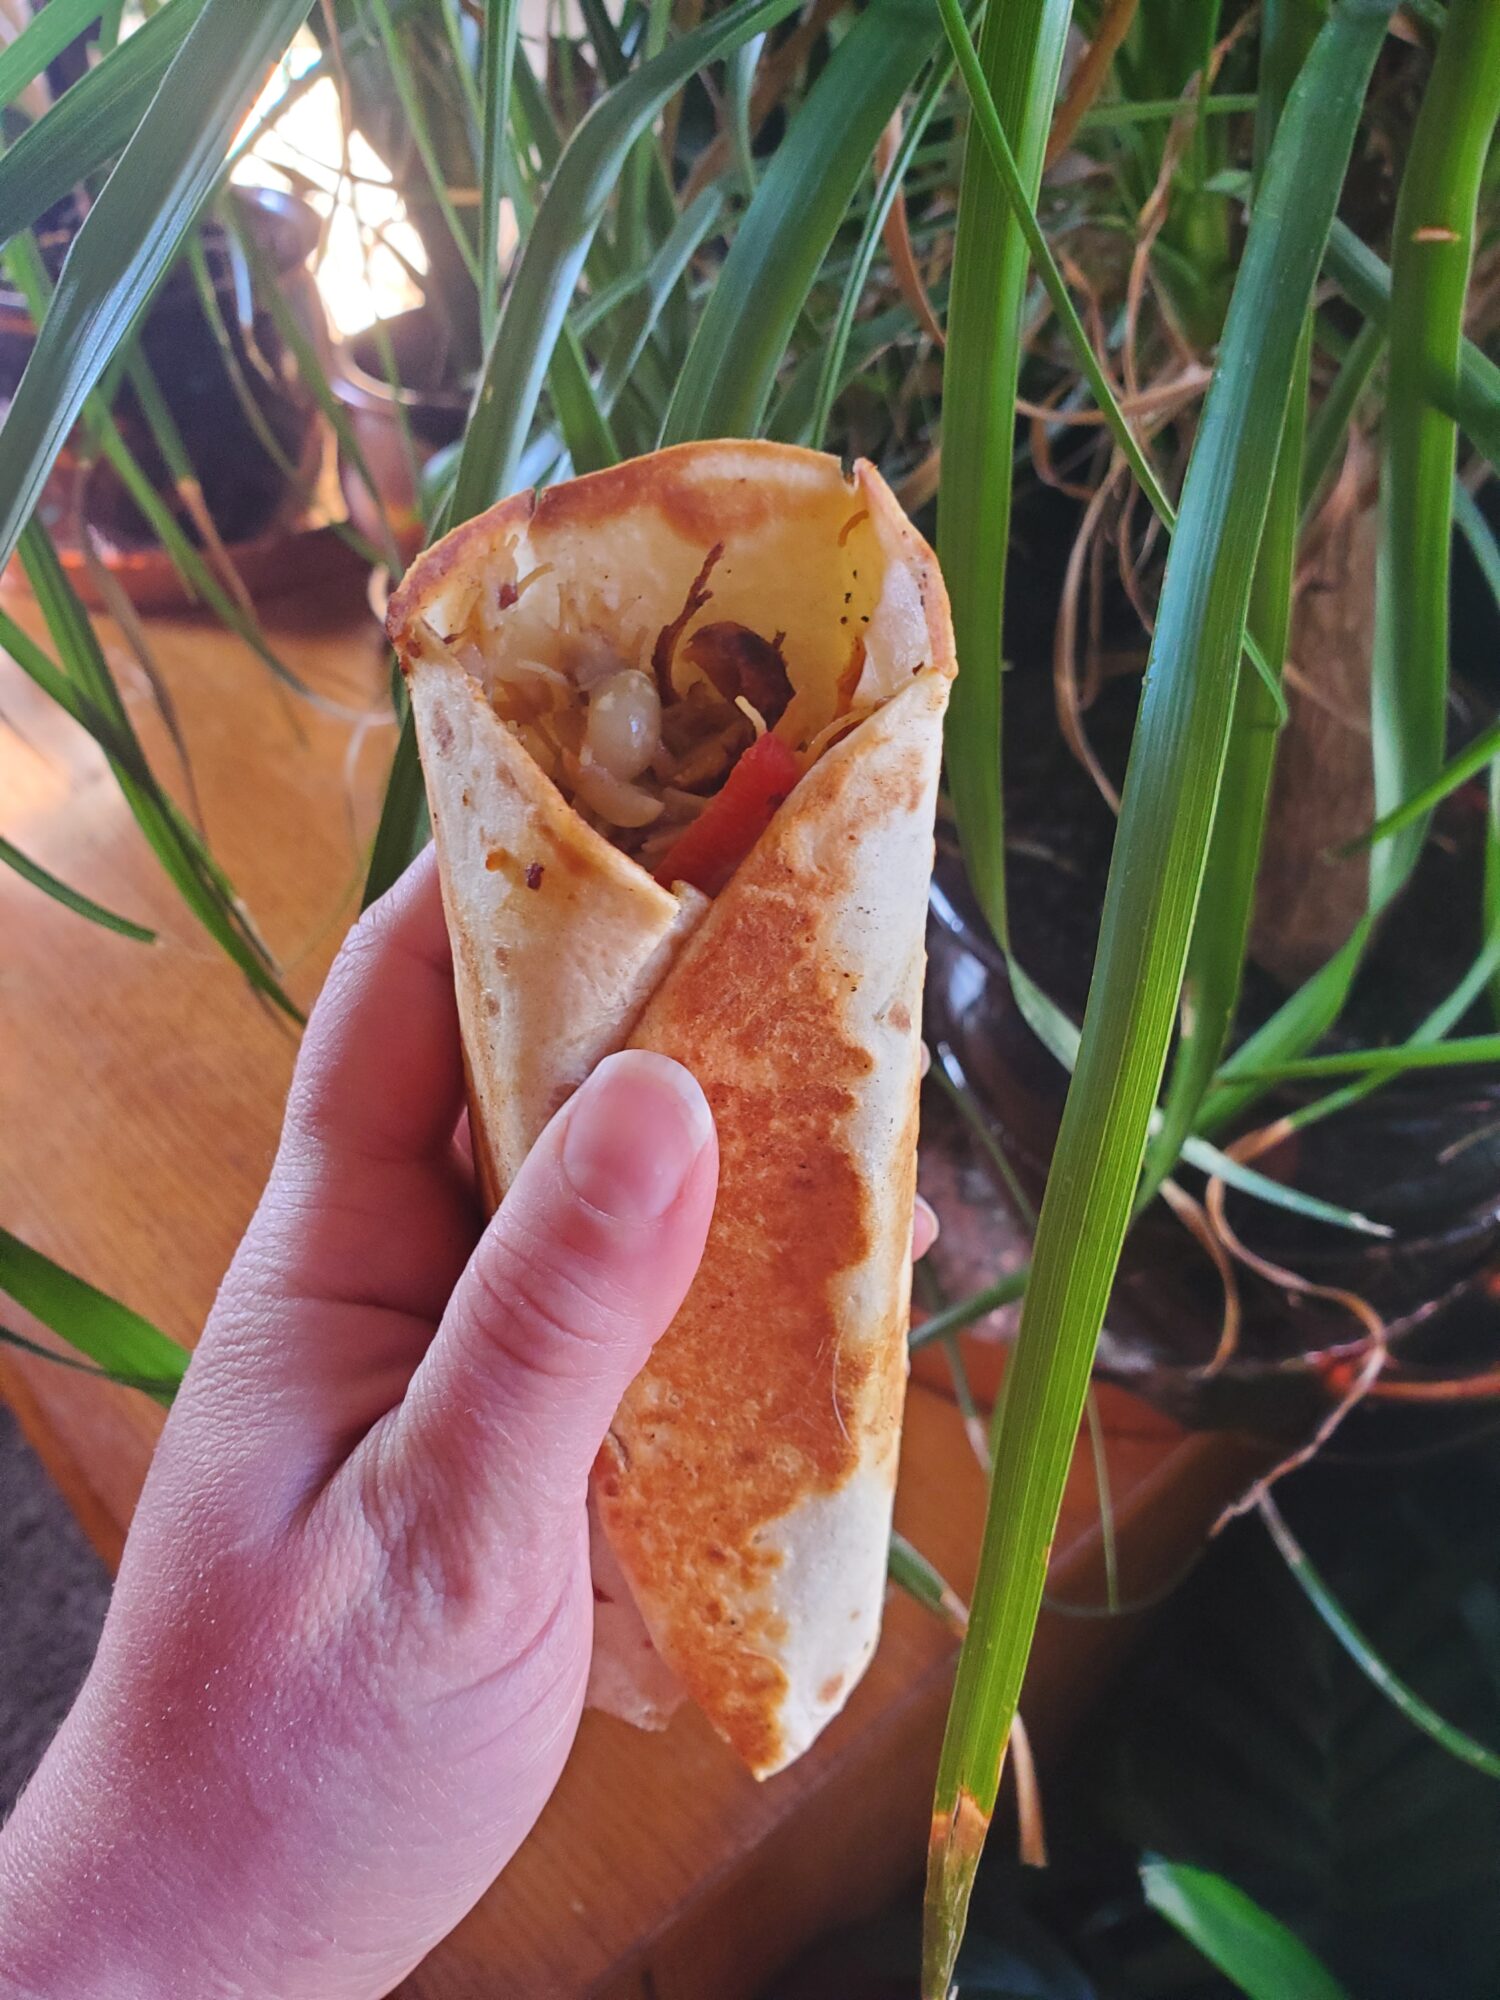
(349, 1641)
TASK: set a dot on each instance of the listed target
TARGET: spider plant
(720, 230)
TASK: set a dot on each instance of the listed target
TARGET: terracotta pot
(247, 493)
(395, 426)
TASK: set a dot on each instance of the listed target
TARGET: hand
(348, 1645)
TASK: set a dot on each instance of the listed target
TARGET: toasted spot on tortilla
(697, 505)
(781, 1069)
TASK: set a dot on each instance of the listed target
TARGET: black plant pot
(247, 493)
(399, 429)
(1421, 1155)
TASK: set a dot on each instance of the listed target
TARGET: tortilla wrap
(741, 1503)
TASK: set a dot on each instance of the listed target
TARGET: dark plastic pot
(1421, 1155)
(247, 493)
(400, 430)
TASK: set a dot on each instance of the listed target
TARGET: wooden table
(139, 1096)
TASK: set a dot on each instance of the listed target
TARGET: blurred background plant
(1122, 279)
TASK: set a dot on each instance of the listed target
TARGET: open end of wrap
(675, 663)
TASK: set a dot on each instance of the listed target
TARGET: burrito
(680, 723)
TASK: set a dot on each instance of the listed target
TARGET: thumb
(580, 1271)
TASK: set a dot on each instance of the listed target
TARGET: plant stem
(1161, 849)
(1221, 929)
(1020, 59)
(1432, 255)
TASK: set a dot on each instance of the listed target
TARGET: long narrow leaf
(1161, 848)
(58, 24)
(410, 97)
(803, 196)
(1221, 928)
(639, 314)
(1296, 1025)
(151, 1384)
(831, 371)
(1472, 396)
(548, 269)
(502, 20)
(1457, 1742)
(71, 899)
(310, 370)
(1250, 1947)
(91, 122)
(1434, 248)
(1019, 62)
(1464, 1052)
(90, 1320)
(133, 233)
(404, 826)
(187, 862)
(1468, 763)
(1329, 429)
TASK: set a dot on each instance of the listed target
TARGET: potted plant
(1230, 329)
(208, 432)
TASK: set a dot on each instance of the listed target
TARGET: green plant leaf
(49, 33)
(804, 194)
(912, 1572)
(502, 21)
(964, 1312)
(23, 262)
(1460, 1053)
(831, 369)
(536, 304)
(1329, 428)
(1296, 1024)
(71, 899)
(133, 232)
(1434, 237)
(1226, 904)
(1160, 851)
(151, 1384)
(639, 313)
(1249, 1946)
(189, 865)
(1248, 1739)
(1472, 396)
(89, 124)
(414, 109)
(310, 370)
(1019, 60)
(90, 1320)
(1456, 1742)
(404, 825)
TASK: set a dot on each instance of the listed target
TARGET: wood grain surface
(140, 1093)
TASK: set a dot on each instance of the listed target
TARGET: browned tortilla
(745, 1488)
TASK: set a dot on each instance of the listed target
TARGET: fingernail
(635, 1132)
(925, 1227)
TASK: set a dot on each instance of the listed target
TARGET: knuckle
(541, 1320)
(447, 1598)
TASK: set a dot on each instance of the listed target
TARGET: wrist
(79, 1908)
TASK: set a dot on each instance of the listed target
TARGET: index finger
(380, 1077)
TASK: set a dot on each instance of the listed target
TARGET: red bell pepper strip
(708, 851)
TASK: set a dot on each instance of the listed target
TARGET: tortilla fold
(745, 1488)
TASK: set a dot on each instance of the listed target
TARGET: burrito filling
(680, 755)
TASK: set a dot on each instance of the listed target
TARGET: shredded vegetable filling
(675, 757)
